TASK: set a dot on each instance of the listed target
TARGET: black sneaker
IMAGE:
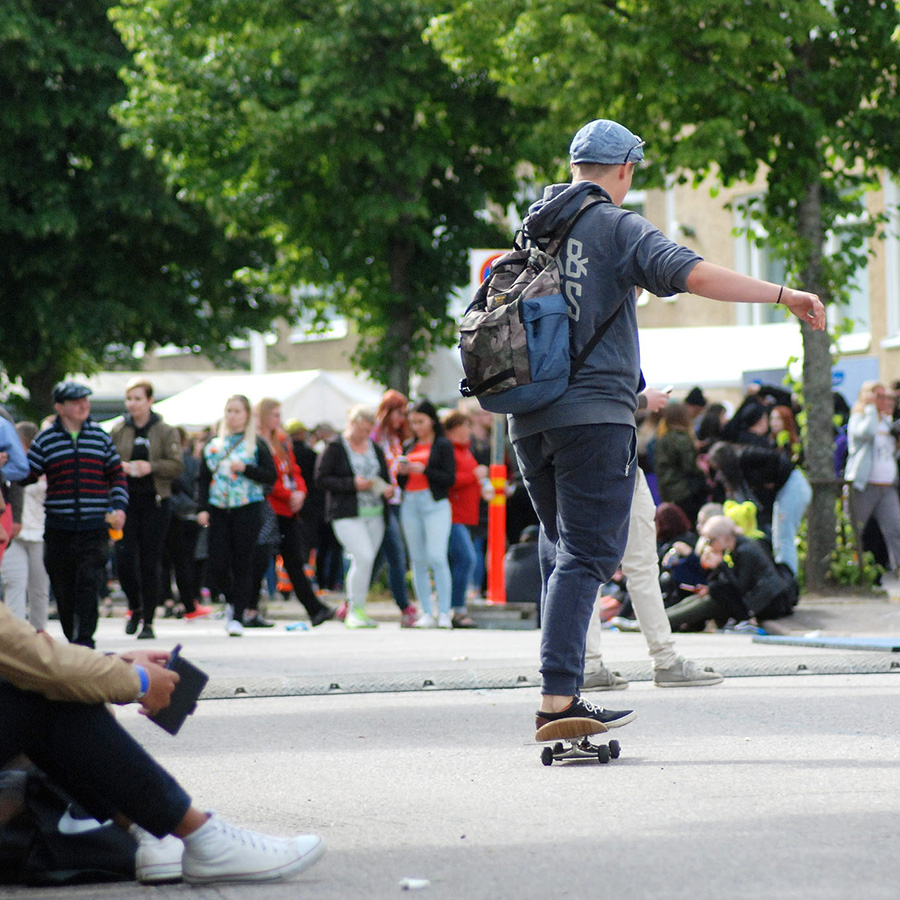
(325, 614)
(257, 621)
(132, 622)
(147, 634)
(579, 719)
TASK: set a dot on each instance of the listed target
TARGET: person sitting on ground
(776, 486)
(674, 532)
(53, 700)
(744, 583)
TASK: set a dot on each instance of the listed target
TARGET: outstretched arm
(719, 283)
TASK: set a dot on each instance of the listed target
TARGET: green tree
(332, 130)
(96, 251)
(806, 92)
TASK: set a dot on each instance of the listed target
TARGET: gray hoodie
(608, 253)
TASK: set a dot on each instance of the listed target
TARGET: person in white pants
(23, 577)
(640, 566)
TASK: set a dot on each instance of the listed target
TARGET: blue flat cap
(606, 142)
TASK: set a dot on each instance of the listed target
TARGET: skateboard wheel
(547, 756)
(603, 753)
(614, 749)
(558, 748)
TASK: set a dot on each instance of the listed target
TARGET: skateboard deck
(571, 740)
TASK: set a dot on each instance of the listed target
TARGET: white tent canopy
(312, 396)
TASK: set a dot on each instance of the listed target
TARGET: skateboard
(575, 745)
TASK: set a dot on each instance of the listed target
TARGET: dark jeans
(140, 552)
(581, 482)
(393, 552)
(293, 554)
(461, 556)
(76, 564)
(232, 537)
(181, 545)
(329, 559)
(82, 748)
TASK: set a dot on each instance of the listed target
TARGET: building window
(856, 310)
(756, 261)
(892, 259)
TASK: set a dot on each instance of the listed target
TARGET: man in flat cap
(87, 493)
(578, 455)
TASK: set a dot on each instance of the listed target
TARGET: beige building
(754, 339)
(685, 340)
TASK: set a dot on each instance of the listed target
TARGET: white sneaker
(685, 673)
(444, 621)
(234, 628)
(156, 859)
(218, 851)
(356, 618)
(426, 620)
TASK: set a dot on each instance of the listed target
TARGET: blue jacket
(608, 253)
(17, 466)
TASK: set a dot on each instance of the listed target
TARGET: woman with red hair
(783, 428)
(390, 433)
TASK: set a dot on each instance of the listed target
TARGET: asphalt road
(775, 785)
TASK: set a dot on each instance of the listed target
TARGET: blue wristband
(145, 681)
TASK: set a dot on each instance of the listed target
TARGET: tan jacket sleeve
(34, 662)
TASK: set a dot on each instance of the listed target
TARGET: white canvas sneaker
(156, 859)
(218, 851)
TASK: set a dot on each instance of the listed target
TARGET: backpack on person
(514, 336)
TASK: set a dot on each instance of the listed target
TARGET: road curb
(236, 688)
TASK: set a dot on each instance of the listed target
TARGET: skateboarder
(578, 456)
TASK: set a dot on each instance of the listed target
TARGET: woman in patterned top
(233, 483)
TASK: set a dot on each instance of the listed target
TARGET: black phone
(184, 698)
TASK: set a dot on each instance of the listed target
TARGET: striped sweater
(84, 477)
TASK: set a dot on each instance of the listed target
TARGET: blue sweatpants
(581, 481)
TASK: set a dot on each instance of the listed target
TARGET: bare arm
(718, 283)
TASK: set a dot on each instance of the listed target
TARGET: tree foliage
(333, 131)
(805, 92)
(96, 252)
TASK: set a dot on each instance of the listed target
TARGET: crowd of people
(704, 461)
(246, 508)
(401, 488)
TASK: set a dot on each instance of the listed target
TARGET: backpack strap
(597, 336)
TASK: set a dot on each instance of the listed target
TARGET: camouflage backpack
(514, 336)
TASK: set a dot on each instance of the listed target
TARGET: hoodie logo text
(575, 270)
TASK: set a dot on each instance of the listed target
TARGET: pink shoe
(341, 613)
(199, 612)
(408, 616)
